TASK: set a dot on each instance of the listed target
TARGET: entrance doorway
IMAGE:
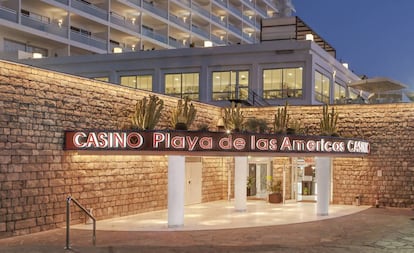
(258, 177)
(193, 177)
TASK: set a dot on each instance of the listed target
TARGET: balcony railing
(235, 29)
(136, 2)
(45, 27)
(154, 35)
(178, 21)
(88, 40)
(124, 22)
(155, 10)
(8, 14)
(90, 9)
(185, 2)
(257, 9)
(65, 2)
(201, 10)
(176, 43)
(200, 31)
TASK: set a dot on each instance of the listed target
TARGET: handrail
(68, 200)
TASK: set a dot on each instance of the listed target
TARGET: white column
(240, 183)
(323, 181)
(176, 190)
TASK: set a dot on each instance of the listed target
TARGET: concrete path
(372, 230)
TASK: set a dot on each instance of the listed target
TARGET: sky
(375, 37)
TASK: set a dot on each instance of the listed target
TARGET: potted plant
(183, 115)
(249, 184)
(281, 120)
(328, 122)
(233, 118)
(147, 113)
(275, 192)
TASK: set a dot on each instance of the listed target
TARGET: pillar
(240, 179)
(176, 191)
(323, 181)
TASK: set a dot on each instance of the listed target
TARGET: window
(102, 78)
(143, 82)
(339, 94)
(228, 85)
(282, 83)
(322, 88)
(182, 85)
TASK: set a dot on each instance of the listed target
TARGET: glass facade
(282, 83)
(229, 85)
(322, 88)
(339, 94)
(182, 85)
(143, 82)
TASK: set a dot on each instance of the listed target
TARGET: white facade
(299, 68)
(75, 27)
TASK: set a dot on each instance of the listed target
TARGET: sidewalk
(371, 230)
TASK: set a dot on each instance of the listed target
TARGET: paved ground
(373, 230)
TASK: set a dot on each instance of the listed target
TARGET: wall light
(37, 56)
(117, 50)
(309, 36)
(208, 43)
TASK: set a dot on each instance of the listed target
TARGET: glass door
(257, 179)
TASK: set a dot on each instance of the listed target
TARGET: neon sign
(212, 142)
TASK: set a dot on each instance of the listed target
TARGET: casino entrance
(297, 173)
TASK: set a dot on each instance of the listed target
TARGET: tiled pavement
(371, 230)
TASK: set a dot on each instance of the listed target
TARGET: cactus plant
(328, 121)
(281, 121)
(147, 113)
(183, 115)
(233, 118)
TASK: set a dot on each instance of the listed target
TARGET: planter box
(275, 198)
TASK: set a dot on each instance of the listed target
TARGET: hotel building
(291, 63)
(51, 28)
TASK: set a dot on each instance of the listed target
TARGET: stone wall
(388, 172)
(36, 175)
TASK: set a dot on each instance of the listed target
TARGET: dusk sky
(376, 38)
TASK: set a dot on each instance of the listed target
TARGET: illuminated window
(143, 82)
(339, 94)
(282, 83)
(322, 88)
(182, 85)
(228, 85)
(102, 78)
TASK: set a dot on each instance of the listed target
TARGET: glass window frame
(321, 86)
(135, 81)
(235, 87)
(281, 87)
(185, 87)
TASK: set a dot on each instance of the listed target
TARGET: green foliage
(147, 113)
(294, 127)
(256, 125)
(276, 187)
(183, 115)
(328, 121)
(281, 121)
(233, 117)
